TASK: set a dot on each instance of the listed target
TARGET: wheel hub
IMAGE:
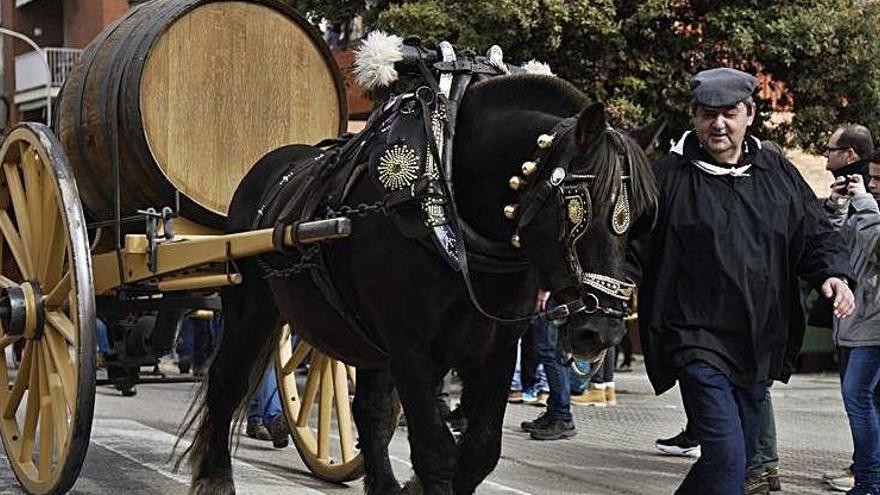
(22, 311)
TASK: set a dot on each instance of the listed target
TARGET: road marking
(572, 468)
(499, 486)
(150, 448)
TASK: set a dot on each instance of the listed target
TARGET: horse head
(587, 189)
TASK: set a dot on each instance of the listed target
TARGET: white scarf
(715, 169)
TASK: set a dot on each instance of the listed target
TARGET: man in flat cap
(719, 304)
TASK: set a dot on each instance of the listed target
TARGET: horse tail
(251, 332)
(221, 400)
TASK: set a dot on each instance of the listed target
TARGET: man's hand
(838, 191)
(842, 298)
(856, 185)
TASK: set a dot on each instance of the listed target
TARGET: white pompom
(375, 59)
(535, 67)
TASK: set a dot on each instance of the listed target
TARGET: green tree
(639, 55)
(821, 50)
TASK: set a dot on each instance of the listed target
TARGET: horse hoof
(213, 486)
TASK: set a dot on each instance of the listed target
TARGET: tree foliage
(639, 55)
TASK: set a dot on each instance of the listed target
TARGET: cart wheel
(327, 387)
(47, 301)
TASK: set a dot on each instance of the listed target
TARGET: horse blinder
(575, 216)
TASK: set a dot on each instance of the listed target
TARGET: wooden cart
(170, 106)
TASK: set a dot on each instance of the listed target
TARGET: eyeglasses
(829, 149)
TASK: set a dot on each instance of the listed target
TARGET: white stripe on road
(150, 448)
(499, 486)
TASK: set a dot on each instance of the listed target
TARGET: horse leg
(248, 332)
(484, 393)
(375, 414)
(431, 443)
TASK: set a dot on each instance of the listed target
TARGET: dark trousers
(606, 374)
(860, 376)
(725, 419)
(626, 347)
(528, 360)
(197, 341)
(765, 456)
(559, 402)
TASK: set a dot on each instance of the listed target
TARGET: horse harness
(571, 192)
(407, 144)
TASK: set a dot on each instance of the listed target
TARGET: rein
(573, 197)
(574, 192)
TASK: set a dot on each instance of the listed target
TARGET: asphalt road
(612, 454)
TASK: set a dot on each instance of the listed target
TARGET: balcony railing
(30, 71)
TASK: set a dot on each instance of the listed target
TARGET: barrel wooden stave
(168, 141)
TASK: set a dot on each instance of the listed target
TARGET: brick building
(61, 28)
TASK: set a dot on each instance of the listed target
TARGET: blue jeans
(266, 404)
(197, 340)
(765, 455)
(559, 402)
(861, 374)
(578, 384)
(725, 419)
(541, 378)
(104, 346)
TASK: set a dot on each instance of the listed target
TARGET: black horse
(588, 190)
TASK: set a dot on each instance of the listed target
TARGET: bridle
(572, 191)
(572, 194)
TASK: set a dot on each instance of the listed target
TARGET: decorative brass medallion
(398, 167)
(575, 211)
(620, 217)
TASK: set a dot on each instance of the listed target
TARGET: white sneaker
(830, 475)
(679, 445)
(842, 484)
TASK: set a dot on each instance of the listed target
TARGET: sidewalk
(614, 450)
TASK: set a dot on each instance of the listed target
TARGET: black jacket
(719, 270)
(860, 167)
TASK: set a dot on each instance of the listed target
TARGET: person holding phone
(854, 212)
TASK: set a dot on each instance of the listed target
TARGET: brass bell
(529, 168)
(516, 182)
(545, 141)
(516, 241)
(510, 211)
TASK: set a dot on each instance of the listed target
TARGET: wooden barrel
(189, 94)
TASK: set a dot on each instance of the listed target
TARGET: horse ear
(591, 124)
(647, 135)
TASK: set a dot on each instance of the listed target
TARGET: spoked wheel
(47, 304)
(326, 447)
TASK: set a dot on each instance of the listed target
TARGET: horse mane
(548, 94)
(643, 187)
(554, 96)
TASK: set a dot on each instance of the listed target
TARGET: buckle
(563, 311)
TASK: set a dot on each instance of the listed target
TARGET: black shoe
(529, 426)
(680, 445)
(279, 431)
(556, 429)
(757, 486)
(258, 431)
(772, 477)
(184, 366)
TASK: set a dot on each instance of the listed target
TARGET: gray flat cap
(722, 87)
